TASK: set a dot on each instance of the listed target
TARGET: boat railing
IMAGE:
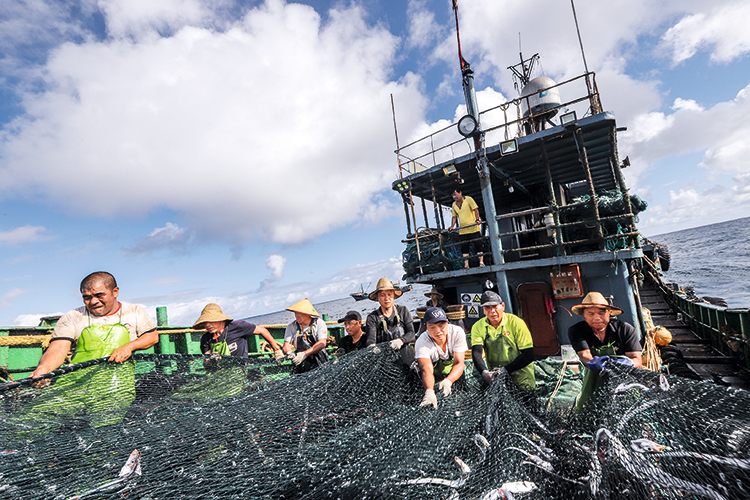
(505, 121)
(538, 232)
(728, 329)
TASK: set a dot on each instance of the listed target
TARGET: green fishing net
(353, 428)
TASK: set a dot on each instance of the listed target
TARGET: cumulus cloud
(247, 131)
(23, 234)
(423, 29)
(276, 264)
(171, 237)
(722, 30)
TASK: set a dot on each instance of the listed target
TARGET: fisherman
(103, 327)
(306, 336)
(440, 355)
(596, 338)
(228, 337)
(355, 338)
(466, 214)
(436, 299)
(390, 323)
(506, 341)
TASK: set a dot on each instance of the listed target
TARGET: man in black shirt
(596, 338)
(355, 338)
(391, 323)
(229, 337)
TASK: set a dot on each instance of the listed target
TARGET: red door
(536, 310)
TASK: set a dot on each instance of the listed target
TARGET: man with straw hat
(436, 299)
(390, 323)
(596, 338)
(306, 337)
(228, 337)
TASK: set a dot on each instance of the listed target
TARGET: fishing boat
(558, 221)
(362, 294)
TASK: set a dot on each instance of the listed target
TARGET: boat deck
(710, 364)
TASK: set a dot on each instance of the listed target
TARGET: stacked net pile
(353, 429)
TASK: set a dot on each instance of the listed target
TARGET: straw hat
(212, 312)
(304, 306)
(595, 299)
(384, 284)
(435, 291)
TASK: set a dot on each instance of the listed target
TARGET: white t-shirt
(426, 348)
(319, 331)
(72, 323)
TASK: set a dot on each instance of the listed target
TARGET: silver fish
(535, 460)
(546, 453)
(610, 447)
(455, 484)
(497, 494)
(626, 387)
(131, 468)
(518, 487)
(646, 446)
(663, 382)
(483, 445)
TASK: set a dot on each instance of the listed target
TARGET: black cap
(435, 315)
(490, 298)
(351, 315)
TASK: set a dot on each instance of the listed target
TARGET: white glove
(278, 354)
(299, 358)
(396, 344)
(445, 386)
(429, 399)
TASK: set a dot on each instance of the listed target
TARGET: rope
(559, 383)
(26, 340)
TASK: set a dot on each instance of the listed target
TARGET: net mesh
(353, 428)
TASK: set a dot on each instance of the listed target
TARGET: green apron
(500, 351)
(591, 379)
(442, 369)
(221, 347)
(103, 392)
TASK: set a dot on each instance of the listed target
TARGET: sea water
(713, 259)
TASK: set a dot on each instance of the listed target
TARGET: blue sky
(242, 152)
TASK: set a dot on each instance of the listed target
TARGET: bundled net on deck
(353, 429)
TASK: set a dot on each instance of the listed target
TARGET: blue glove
(598, 363)
(624, 361)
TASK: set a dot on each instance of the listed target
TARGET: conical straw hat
(212, 312)
(434, 290)
(304, 306)
(384, 284)
(595, 299)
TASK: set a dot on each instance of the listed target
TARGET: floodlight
(568, 118)
(402, 186)
(508, 147)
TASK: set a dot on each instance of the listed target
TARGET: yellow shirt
(465, 215)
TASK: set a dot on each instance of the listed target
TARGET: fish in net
(352, 428)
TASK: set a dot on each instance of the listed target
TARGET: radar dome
(540, 97)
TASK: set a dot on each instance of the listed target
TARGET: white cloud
(11, 294)
(170, 237)
(276, 264)
(25, 234)
(423, 29)
(247, 132)
(723, 30)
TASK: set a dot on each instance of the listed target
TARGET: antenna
(580, 41)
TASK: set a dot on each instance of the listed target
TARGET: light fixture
(508, 147)
(568, 118)
(402, 186)
(449, 170)
(467, 126)
(510, 189)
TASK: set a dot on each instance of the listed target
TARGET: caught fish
(497, 494)
(519, 487)
(535, 460)
(663, 382)
(546, 453)
(626, 387)
(455, 484)
(483, 445)
(131, 468)
(646, 446)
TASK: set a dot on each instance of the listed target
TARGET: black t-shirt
(348, 345)
(401, 323)
(237, 332)
(622, 334)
